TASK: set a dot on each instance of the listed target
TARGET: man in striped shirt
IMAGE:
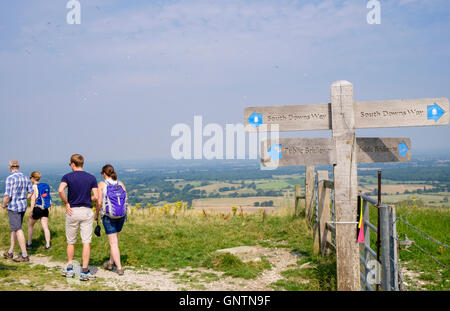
(18, 190)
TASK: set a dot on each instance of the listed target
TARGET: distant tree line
(264, 204)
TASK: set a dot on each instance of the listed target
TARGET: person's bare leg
(44, 224)
(114, 249)
(86, 254)
(21, 240)
(70, 253)
(31, 223)
(13, 240)
(111, 255)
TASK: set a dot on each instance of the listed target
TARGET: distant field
(273, 185)
(240, 191)
(150, 195)
(223, 205)
(216, 186)
(393, 189)
(296, 176)
(430, 199)
(182, 184)
(374, 180)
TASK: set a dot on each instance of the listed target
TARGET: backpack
(44, 199)
(115, 201)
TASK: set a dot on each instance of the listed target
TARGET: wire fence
(432, 257)
(423, 233)
(427, 237)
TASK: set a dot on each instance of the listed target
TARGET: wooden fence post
(298, 193)
(309, 193)
(345, 186)
(323, 212)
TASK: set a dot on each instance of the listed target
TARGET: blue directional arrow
(434, 112)
(402, 149)
(255, 119)
(275, 151)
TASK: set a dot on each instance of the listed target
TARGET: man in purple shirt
(82, 188)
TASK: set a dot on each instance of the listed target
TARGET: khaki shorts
(82, 218)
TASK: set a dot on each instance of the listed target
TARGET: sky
(113, 87)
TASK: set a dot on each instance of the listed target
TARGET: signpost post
(309, 192)
(343, 150)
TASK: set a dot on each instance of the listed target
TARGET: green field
(374, 181)
(435, 222)
(429, 199)
(274, 185)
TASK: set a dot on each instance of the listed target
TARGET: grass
(234, 267)
(189, 241)
(321, 276)
(435, 222)
(186, 240)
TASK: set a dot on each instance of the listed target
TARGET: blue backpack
(44, 199)
(115, 201)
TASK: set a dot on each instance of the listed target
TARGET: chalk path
(154, 280)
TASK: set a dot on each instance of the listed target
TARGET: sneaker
(120, 272)
(86, 276)
(68, 273)
(108, 266)
(8, 255)
(20, 258)
(29, 246)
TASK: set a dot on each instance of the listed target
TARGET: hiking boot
(68, 273)
(120, 272)
(86, 276)
(21, 259)
(108, 266)
(8, 255)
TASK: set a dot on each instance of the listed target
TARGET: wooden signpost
(309, 192)
(390, 113)
(343, 150)
(315, 151)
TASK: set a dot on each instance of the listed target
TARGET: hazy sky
(113, 87)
